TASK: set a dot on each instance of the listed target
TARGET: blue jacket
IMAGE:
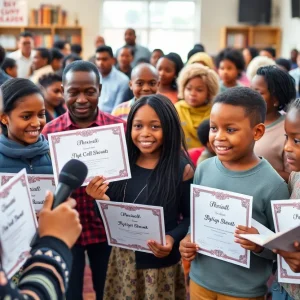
(34, 158)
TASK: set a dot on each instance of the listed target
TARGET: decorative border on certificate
(116, 129)
(4, 193)
(219, 195)
(31, 178)
(155, 211)
(277, 209)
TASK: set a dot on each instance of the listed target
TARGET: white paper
(263, 230)
(103, 149)
(286, 215)
(39, 184)
(214, 217)
(17, 223)
(131, 226)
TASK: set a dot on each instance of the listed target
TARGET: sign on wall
(13, 12)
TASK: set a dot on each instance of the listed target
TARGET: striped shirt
(45, 274)
(123, 109)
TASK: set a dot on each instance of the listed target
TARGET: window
(169, 25)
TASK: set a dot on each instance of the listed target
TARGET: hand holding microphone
(58, 218)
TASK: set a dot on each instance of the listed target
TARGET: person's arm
(179, 232)
(282, 192)
(175, 235)
(46, 273)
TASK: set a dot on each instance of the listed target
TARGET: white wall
(290, 29)
(88, 12)
(216, 14)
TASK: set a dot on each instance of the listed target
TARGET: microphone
(70, 178)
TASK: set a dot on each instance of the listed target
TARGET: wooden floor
(88, 292)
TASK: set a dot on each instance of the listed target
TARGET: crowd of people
(230, 122)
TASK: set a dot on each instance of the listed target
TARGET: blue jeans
(279, 293)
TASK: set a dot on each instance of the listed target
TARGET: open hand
(245, 243)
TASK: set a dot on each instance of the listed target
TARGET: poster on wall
(13, 12)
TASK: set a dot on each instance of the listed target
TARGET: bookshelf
(44, 36)
(251, 36)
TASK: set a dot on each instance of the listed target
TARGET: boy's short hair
(8, 63)
(203, 132)
(105, 49)
(60, 44)
(45, 53)
(2, 55)
(253, 103)
(127, 47)
(76, 48)
(235, 56)
(56, 54)
(209, 77)
(48, 79)
(81, 66)
(271, 50)
(26, 34)
(283, 63)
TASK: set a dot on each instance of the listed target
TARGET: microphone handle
(62, 193)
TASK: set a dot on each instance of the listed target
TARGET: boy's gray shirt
(264, 184)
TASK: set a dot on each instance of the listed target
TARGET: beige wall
(88, 12)
(290, 29)
(216, 14)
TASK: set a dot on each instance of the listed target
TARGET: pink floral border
(156, 212)
(116, 130)
(245, 203)
(277, 211)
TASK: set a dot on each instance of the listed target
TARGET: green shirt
(264, 184)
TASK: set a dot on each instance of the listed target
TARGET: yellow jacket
(191, 118)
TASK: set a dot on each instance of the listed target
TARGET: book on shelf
(236, 40)
(71, 38)
(8, 41)
(43, 40)
(48, 15)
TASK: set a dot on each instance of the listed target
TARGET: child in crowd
(283, 64)
(124, 60)
(277, 88)
(155, 56)
(236, 123)
(230, 64)
(10, 67)
(203, 59)
(69, 59)
(56, 59)
(256, 63)
(54, 102)
(198, 85)
(168, 68)
(203, 135)
(81, 88)
(156, 148)
(22, 120)
(144, 81)
(285, 291)
(249, 53)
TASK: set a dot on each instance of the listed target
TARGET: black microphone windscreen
(73, 173)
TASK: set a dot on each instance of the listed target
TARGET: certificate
(214, 217)
(103, 149)
(286, 215)
(17, 223)
(131, 226)
(38, 183)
